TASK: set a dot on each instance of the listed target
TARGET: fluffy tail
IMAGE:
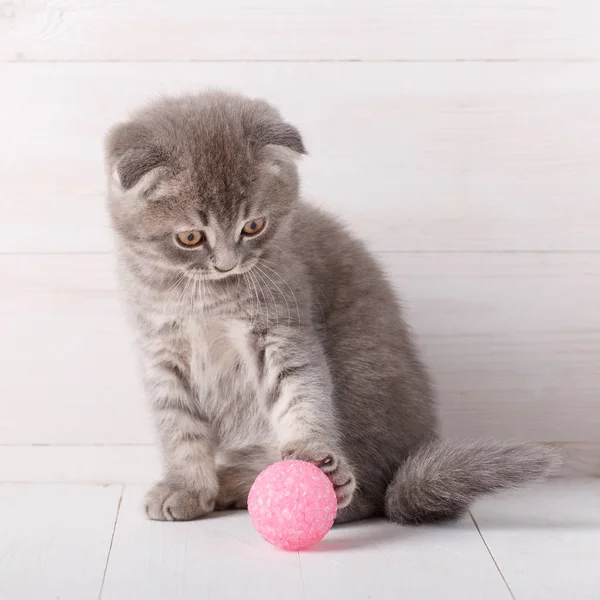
(441, 479)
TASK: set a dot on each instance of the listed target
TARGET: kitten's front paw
(332, 463)
(169, 502)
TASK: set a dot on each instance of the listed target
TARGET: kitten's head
(201, 184)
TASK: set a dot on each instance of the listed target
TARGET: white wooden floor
(83, 541)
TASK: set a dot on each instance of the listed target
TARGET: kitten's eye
(253, 227)
(190, 238)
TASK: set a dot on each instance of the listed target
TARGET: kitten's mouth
(220, 275)
(213, 275)
(217, 275)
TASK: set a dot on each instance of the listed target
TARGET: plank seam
(301, 576)
(492, 556)
(112, 539)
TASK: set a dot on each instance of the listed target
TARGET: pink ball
(292, 504)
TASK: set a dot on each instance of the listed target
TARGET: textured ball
(292, 504)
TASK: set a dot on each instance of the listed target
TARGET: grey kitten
(267, 331)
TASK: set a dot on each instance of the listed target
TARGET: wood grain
(308, 30)
(427, 157)
(512, 340)
(55, 540)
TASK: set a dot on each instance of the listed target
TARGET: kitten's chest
(224, 373)
(220, 348)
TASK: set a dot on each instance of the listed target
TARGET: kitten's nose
(225, 259)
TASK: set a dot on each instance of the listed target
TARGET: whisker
(280, 293)
(262, 294)
(202, 294)
(179, 280)
(182, 297)
(320, 307)
(289, 287)
(181, 294)
(257, 300)
(278, 289)
(248, 288)
(254, 301)
(315, 285)
(281, 250)
(171, 291)
(260, 273)
(195, 294)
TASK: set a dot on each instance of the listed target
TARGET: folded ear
(265, 127)
(280, 134)
(131, 153)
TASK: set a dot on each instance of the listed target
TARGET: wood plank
(512, 341)
(55, 540)
(427, 157)
(308, 30)
(221, 557)
(72, 463)
(384, 561)
(62, 317)
(546, 539)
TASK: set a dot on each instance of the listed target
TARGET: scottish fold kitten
(266, 331)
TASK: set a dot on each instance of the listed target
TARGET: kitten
(266, 331)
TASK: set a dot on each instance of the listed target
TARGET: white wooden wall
(460, 140)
